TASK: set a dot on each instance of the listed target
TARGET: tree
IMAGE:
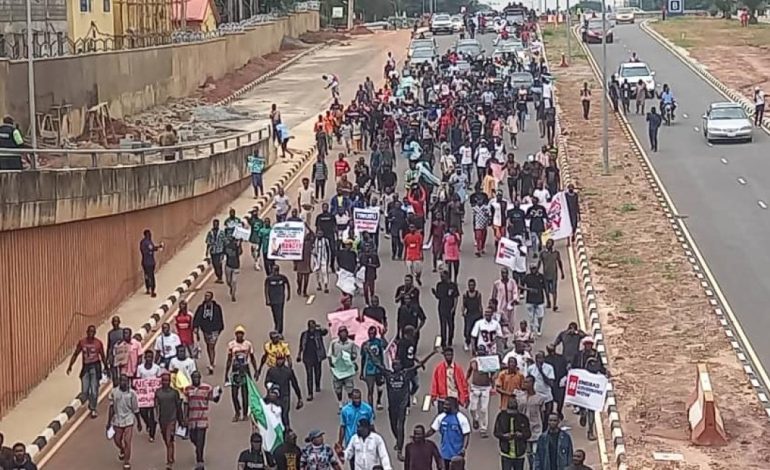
(726, 7)
(753, 6)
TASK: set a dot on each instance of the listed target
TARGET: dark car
(593, 30)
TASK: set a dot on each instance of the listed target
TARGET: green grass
(631, 260)
(615, 235)
(627, 207)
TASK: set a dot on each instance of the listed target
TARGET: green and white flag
(269, 425)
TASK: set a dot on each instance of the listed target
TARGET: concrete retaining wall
(134, 80)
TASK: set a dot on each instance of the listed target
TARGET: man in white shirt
(485, 332)
(541, 193)
(522, 356)
(482, 157)
(281, 205)
(305, 200)
(182, 364)
(166, 345)
(544, 376)
(547, 90)
(466, 158)
(759, 106)
(367, 449)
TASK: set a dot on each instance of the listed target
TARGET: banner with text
(366, 220)
(507, 253)
(586, 390)
(357, 325)
(286, 239)
(145, 391)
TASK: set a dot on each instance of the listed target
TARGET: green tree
(753, 6)
(725, 7)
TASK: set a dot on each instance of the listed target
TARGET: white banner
(241, 233)
(559, 223)
(366, 220)
(585, 389)
(286, 239)
(507, 253)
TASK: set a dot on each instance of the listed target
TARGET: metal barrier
(106, 157)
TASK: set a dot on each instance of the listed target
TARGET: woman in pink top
(452, 252)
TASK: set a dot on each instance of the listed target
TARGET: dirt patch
(657, 322)
(317, 37)
(737, 56)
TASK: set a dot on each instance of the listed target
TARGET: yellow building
(90, 19)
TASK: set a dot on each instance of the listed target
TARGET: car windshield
(624, 11)
(471, 49)
(727, 113)
(595, 25)
(441, 17)
(423, 53)
(634, 72)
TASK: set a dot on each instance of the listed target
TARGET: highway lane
(717, 188)
(227, 439)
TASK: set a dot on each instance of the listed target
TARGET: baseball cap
(240, 329)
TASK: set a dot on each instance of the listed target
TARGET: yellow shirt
(489, 186)
(273, 350)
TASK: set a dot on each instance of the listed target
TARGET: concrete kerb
(702, 273)
(588, 295)
(162, 313)
(263, 78)
(701, 71)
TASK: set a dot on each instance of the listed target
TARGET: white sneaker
(466, 348)
(414, 399)
(257, 267)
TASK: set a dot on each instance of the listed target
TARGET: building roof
(196, 9)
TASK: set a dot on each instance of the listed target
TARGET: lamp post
(605, 118)
(569, 34)
(31, 86)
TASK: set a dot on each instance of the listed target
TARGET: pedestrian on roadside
(654, 120)
(264, 244)
(233, 252)
(255, 456)
(240, 353)
(585, 100)
(93, 358)
(147, 248)
(215, 248)
(282, 376)
(614, 90)
(256, 165)
(168, 408)
(454, 429)
(277, 294)
(312, 354)
(149, 370)
(343, 354)
(641, 97)
(122, 417)
(208, 320)
(559, 384)
(554, 447)
(320, 176)
(550, 262)
(447, 293)
(759, 106)
(480, 390)
(199, 396)
(512, 431)
(573, 207)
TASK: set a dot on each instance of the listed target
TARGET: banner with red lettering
(286, 240)
(145, 391)
(586, 390)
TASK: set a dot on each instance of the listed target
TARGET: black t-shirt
(537, 217)
(413, 292)
(536, 282)
(325, 221)
(287, 456)
(276, 288)
(398, 388)
(376, 313)
(516, 218)
(446, 293)
(28, 464)
(551, 175)
(405, 352)
(258, 460)
(409, 315)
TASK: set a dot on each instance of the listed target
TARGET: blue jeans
(89, 385)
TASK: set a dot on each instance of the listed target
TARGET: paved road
(227, 439)
(723, 214)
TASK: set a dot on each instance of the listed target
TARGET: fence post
(142, 158)
(93, 160)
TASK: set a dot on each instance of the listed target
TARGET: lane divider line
(721, 307)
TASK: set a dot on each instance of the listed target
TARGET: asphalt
(88, 444)
(718, 189)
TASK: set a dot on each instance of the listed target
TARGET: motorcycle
(668, 113)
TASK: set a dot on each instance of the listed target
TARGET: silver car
(423, 56)
(727, 121)
(441, 23)
(429, 43)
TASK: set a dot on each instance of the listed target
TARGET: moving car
(727, 121)
(625, 15)
(458, 24)
(635, 71)
(469, 47)
(441, 23)
(424, 56)
(593, 31)
(512, 46)
(515, 15)
(523, 79)
(427, 43)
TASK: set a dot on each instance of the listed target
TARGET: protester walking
(277, 295)
(123, 416)
(215, 248)
(654, 120)
(93, 358)
(147, 248)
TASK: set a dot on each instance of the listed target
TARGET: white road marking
(762, 204)
(724, 161)
(710, 144)
(310, 299)
(685, 116)
(696, 129)
(741, 181)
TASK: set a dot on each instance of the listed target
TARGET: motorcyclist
(634, 58)
(667, 98)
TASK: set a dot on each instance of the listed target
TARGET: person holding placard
(148, 370)
(480, 389)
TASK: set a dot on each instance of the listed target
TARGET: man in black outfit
(312, 354)
(447, 294)
(326, 223)
(277, 293)
(283, 377)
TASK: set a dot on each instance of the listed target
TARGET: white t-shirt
(547, 90)
(466, 155)
(465, 425)
(542, 195)
(485, 333)
(521, 360)
(482, 156)
(497, 218)
(167, 344)
(520, 263)
(760, 99)
(306, 196)
(144, 373)
(542, 388)
(281, 204)
(186, 367)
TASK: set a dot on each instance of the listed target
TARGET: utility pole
(31, 85)
(569, 34)
(605, 117)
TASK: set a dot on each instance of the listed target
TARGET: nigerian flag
(270, 426)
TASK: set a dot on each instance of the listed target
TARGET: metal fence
(44, 158)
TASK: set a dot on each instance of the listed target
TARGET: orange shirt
(508, 383)
(329, 124)
(413, 246)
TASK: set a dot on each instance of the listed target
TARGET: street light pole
(31, 85)
(605, 118)
(569, 34)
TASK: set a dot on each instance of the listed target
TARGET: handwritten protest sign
(145, 391)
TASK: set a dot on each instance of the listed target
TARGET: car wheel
(750, 139)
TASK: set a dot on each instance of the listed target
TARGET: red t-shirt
(90, 350)
(341, 167)
(184, 328)
(413, 246)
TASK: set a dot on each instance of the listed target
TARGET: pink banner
(358, 328)
(498, 171)
(145, 391)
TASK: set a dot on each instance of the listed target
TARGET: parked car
(635, 71)
(593, 30)
(727, 121)
(441, 23)
(625, 15)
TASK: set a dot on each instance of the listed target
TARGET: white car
(727, 121)
(441, 23)
(625, 15)
(458, 24)
(635, 71)
(499, 24)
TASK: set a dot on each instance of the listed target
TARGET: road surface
(719, 189)
(226, 439)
